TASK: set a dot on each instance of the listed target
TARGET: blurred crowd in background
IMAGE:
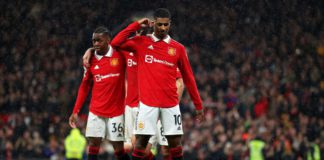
(258, 66)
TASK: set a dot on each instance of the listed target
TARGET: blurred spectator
(74, 144)
(257, 149)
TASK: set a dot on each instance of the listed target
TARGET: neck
(103, 52)
(160, 37)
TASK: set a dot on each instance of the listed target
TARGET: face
(161, 27)
(100, 43)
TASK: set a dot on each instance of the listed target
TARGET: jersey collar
(167, 39)
(108, 54)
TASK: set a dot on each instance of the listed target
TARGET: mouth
(96, 48)
(163, 34)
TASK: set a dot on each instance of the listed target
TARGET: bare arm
(86, 57)
(180, 87)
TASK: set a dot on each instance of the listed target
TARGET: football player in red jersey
(158, 58)
(106, 110)
(159, 137)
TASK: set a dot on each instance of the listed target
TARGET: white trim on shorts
(108, 128)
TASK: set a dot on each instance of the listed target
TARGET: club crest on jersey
(172, 51)
(141, 125)
(114, 62)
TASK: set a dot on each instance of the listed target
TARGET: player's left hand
(73, 119)
(200, 116)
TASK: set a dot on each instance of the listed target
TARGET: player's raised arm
(122, 41)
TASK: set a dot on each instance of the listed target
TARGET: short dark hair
(162, 13)
(103, 30)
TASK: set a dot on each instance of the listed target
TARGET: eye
(162, 24)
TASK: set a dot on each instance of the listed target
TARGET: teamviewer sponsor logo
(151, 59)
(131, 63)
(148, 58)
(99, 77)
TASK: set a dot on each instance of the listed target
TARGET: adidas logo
(96, 67)
(163, 139)
(150, 47)
(131, 54)
(119, 135)
(179, 128)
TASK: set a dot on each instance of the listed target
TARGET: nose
(95, 43)
(163, 28)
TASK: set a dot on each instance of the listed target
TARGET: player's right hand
(73, 119)
(86, 57)
(200, 116)
(145, 22)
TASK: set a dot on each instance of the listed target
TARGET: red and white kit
(158, 60)
(107, 104)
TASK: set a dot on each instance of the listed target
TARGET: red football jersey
(157, 67)
(108, 92)
(132, 98)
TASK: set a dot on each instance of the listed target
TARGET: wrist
(75, 112)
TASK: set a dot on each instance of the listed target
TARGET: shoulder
(121, 52)
(117, 52)
(177, 44)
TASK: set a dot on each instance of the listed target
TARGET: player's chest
(107, 65)
(159, 53)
